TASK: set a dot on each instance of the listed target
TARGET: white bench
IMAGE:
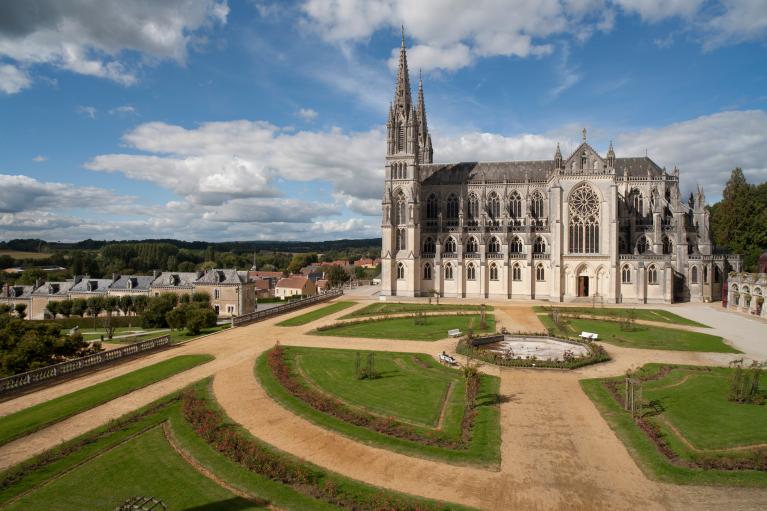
(455, 332)
(588, 336)
(447, 359)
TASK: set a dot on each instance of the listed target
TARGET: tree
(140, 303)
(94, 306)
(126, 304)
(21, 310)
(336, 276)
(65, 308)
(79, 306)
(176, 318)
(53, 308)
(4, 309)
(201, 297)
(111, 304)
(31, 277)
(156, 309)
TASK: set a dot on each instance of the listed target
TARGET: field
(385, 308)
(316, 314)
(411, 388)
(658, 315)
(695, 422)
(640, 336)
(16, 254)
(44, 414)
(435, 327)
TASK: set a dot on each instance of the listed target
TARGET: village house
(130, 285)
(295, 285)
(87, 287)
(46, 293)
(13, 295)
(178, 283)
(232, 292)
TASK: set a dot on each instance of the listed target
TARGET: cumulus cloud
(123, 110)
(88, 111)
(13, 79)
(102, 38)
(307, 114)
(22, 193)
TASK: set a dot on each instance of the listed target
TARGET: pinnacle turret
(402, 95)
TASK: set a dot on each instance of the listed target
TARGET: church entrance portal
(583, 286)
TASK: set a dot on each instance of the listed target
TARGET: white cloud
(13, 79)
(657, 10)
(742, 20)
(367, 207)
(123, 110)
(89, 111)
(307, 114)
(40, 158)
(96, 37)
(427, 58)
(20, 193)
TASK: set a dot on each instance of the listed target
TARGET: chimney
(114, 277)
(37, 284)
(154, 274)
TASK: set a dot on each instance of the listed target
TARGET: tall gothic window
(516, 272)
(515, 247)
(717, 274)
(705, 274)
(431, 207)
(494, 206)
(400, 271)
(473, 209)
(626, 274)
(515, 205)
(427, 271)
(450, 246)
(536, 205)
(668, 248)
(539, 247)
(471, 272)
(540, 273)
(584, 221)
(583, 160)
(401, 239)
(471, 246)
(401, 138)
(694, 275)
(493, 271)
(448, 271)
(452, 208)
(642, 245)
(400, 209)
(429, 246)
(638, 201)
(652, 275)
(494, 247)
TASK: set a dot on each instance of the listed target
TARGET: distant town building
(232, 292)
(295, 285)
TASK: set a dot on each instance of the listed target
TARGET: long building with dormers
(583, 226)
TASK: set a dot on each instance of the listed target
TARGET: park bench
(447, 359)
(455, 332)
(588, 336)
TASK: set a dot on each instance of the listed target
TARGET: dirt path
(557, 451)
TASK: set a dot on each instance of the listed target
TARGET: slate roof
(517, 171)
(175, 279)
(17, 292)
(54, 288)
(132, 283)
(218, 276)
(88, 285)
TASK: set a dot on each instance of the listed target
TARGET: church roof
(518, 171)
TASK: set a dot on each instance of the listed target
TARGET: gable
(585, 160)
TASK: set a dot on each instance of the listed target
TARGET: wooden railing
(53, 372)
(252, 317)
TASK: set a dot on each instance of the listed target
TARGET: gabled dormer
(585, 160)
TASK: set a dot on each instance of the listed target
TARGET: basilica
(581, 226)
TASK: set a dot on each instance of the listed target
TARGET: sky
(222, 120)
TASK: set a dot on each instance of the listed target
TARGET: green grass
(176, 336)
(698, 408)
(316, 314)
(406, 391)
(91, 335)
(642, 336)
(17, 254)
(44, 414)
(436, 328)
(384, 308)
(662, 316)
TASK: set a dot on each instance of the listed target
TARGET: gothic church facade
(585, 226)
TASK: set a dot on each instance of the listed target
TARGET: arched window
(694, 275)
(626, 274)
(400, 271)
(540, 273)
(471, 246)
(400, 209)
(431, 207)
(668, 248)
(471, 272)
(427, 271)
(452, 208)
(539, 247)
(448, 271)
(493, 271)
(515, 205)
(516, 272)
(717, 274)
(494, 247)
(638, 201)
(583, 160)
(429, 247)
(494, 206)
(584, 221)
(401, 138)
(705, 274)
(473, 208)
(401, 239)
(536, 205)
(642, 245)
(450, 246)
(652, 275)
(515, 247)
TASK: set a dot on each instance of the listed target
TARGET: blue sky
(215, 120)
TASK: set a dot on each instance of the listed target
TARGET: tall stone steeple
(403, 121)
(424, 139)
(402, 97)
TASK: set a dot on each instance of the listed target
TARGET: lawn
(92, 335)
(17, 254)
(412, 389)
(690, 407)
(176, 336)
(659, 315)
(316, 314)
(146, 465)
(641, 336)
(44, 414)
(435, 327)
(385, 308)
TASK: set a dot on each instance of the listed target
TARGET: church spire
(611, 156)
(424, 139)
(402, 97)
(558, 164)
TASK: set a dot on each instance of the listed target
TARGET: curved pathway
(557, 451)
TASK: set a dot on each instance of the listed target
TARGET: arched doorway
(583, 282)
